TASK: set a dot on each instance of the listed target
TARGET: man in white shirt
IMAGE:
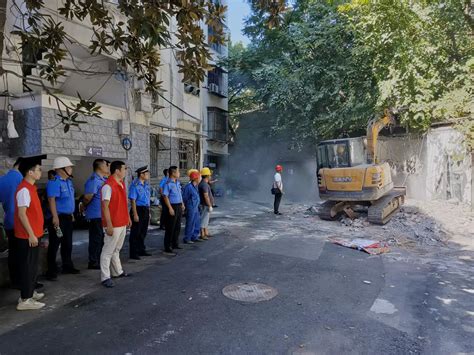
(278, 189)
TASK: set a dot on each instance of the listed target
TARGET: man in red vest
(115, 219)
(28, 228)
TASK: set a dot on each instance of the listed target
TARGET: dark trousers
(276, 203)
(12, 259)
(65, 223)
(27, 261)
(96, 240)
(138, 231)
(173, 227)
(163, 213)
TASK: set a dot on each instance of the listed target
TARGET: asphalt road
(323, 306)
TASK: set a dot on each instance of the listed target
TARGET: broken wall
(435, 166)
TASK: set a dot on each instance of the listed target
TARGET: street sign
(94, 151)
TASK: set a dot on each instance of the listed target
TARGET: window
(217, 82)
(219, 48)
(217, 124)
(154, 150)
(186, 154)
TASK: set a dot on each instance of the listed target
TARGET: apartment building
(186, 125)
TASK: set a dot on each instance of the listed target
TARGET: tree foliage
(131, 31)
(332, 65)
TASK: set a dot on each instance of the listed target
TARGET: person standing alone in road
(92, 205)
(115, 219)
(139, 195)
(277, 189)
(62, 204)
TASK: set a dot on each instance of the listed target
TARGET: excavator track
(382, 210)
(326, 211)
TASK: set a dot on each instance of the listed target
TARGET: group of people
(105, 205)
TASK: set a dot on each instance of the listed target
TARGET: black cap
(142, 170)
(17, 161)
(26, 163)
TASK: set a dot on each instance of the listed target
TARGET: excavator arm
(373, 129)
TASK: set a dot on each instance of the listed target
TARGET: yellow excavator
(350, 174)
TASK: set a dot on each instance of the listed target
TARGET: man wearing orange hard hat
(277, 189)
(191, 201)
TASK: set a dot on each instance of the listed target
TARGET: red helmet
(194, 175)
(279, 168)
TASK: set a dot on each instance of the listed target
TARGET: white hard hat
(61, 162)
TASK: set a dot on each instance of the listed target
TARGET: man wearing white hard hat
(60, 192)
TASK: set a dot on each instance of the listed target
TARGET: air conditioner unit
(195, 91)
(213, 87)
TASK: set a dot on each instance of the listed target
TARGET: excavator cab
(341, 153)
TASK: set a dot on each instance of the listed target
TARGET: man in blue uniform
(60, 192)
(8, 186)
(175, 207)
(191, 202)
(162, 201)
(139, 195)
(92, 205)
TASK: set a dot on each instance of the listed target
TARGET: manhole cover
(249, 292)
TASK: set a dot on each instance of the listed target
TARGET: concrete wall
(436, 166)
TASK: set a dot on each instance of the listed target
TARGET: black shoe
(71, 270)
(215, 206)
(123, 274)
(169, 253)
(135, 257)
(93, 266)
(278, 213)
(178, 247)
(38, 286)
(145, 254)
(51, 277)
(108, 283)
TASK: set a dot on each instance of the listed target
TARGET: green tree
(332, 65)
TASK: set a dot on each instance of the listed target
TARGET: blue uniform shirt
(191, 196)
(63, 191)
(140, 192)
(93, 186)
(8, 186)
(172, 190)
(163, 182)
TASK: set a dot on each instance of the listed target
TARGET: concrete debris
(313, 210)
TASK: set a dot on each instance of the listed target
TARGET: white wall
(434, 167)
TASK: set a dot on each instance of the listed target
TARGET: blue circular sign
(127, 143)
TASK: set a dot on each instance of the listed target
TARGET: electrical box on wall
(124, 127)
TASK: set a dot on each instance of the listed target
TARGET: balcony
(217, 82)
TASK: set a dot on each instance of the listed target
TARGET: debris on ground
(367, 282)
(371, 247)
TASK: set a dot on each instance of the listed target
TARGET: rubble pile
(409, 227)
(411, 224)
